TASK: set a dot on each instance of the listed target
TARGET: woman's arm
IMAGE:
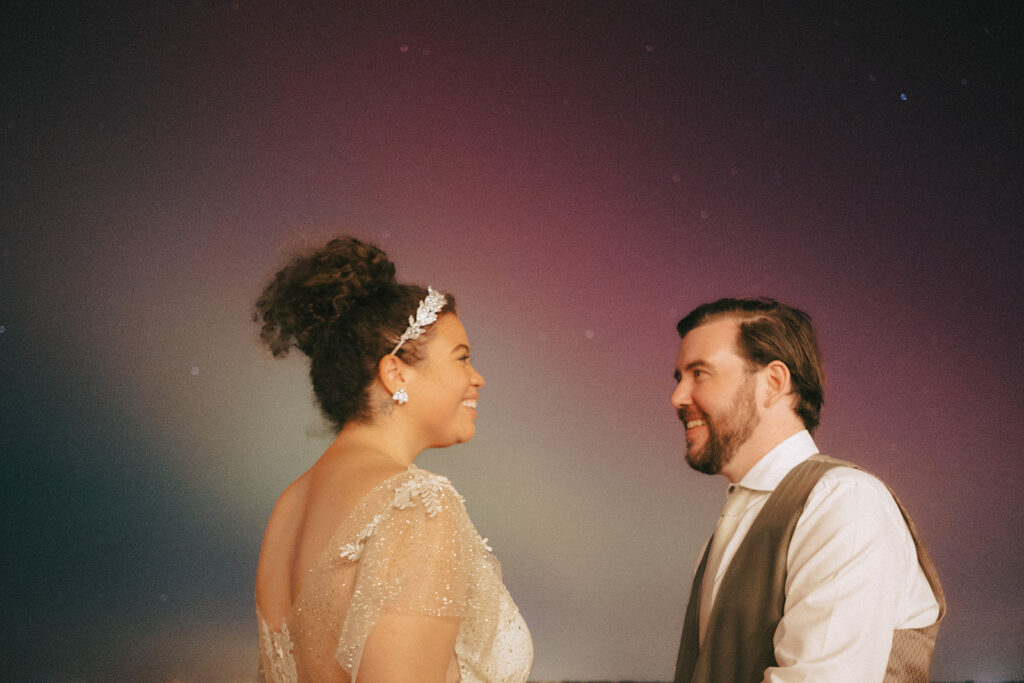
(409, 649)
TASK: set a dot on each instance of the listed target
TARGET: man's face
(715, 395)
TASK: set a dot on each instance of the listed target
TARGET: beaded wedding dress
(408, 546)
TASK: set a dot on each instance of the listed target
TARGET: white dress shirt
(852, 572)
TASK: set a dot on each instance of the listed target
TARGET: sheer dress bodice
(409, 547)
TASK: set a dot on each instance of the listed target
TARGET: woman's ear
(391, 373)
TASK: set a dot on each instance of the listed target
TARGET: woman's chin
(452, 441)
(463, 438)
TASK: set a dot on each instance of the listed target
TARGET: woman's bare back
(303, 521)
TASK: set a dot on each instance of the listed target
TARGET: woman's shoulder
(411, 504)
(288, 511)
(419, 494)
(273, 575)
(426, 489)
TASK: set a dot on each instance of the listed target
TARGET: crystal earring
(400, 396)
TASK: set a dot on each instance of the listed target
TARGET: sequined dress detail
(407, 546)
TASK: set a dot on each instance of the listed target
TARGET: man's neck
(756, 447)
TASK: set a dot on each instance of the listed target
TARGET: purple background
(580, 174)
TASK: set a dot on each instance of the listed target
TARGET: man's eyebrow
(692, 365)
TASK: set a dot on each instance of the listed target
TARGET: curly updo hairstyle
(342, 307)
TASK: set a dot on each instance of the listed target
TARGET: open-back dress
(408, 547)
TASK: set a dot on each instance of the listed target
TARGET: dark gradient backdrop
(581, 174)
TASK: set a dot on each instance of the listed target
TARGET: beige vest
(738, 643)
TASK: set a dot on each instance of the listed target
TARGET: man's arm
(849, 563)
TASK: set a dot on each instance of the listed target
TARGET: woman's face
(444, 387)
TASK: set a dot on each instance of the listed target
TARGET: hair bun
(313, 293)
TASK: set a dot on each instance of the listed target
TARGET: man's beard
(726, 433)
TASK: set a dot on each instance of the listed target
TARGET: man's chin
(703, 465)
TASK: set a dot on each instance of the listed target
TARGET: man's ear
(778, 381)
(391, 373)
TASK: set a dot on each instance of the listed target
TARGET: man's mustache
(685, 417)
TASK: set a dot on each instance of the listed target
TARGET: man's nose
(681, 395)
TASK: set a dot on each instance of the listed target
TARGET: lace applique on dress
(277, 648)
(409, 547)
(507, 653)
(352, 551)
(427, 487)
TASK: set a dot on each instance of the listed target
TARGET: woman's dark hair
(769, 330)
(342, 307)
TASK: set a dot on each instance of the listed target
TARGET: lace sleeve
(421, 555)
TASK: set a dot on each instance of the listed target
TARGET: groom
(815, 572)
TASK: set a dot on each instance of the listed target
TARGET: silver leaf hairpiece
(425, 315)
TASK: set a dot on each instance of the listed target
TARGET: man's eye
(698, 373)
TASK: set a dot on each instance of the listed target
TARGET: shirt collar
(766, 474)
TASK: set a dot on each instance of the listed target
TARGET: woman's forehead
(449, 333)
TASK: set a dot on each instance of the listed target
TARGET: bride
(371, 569)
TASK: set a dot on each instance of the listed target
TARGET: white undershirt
(853, 576)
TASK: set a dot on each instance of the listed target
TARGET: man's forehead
(708, 340)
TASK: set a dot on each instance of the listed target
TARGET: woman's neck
(387, 442)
